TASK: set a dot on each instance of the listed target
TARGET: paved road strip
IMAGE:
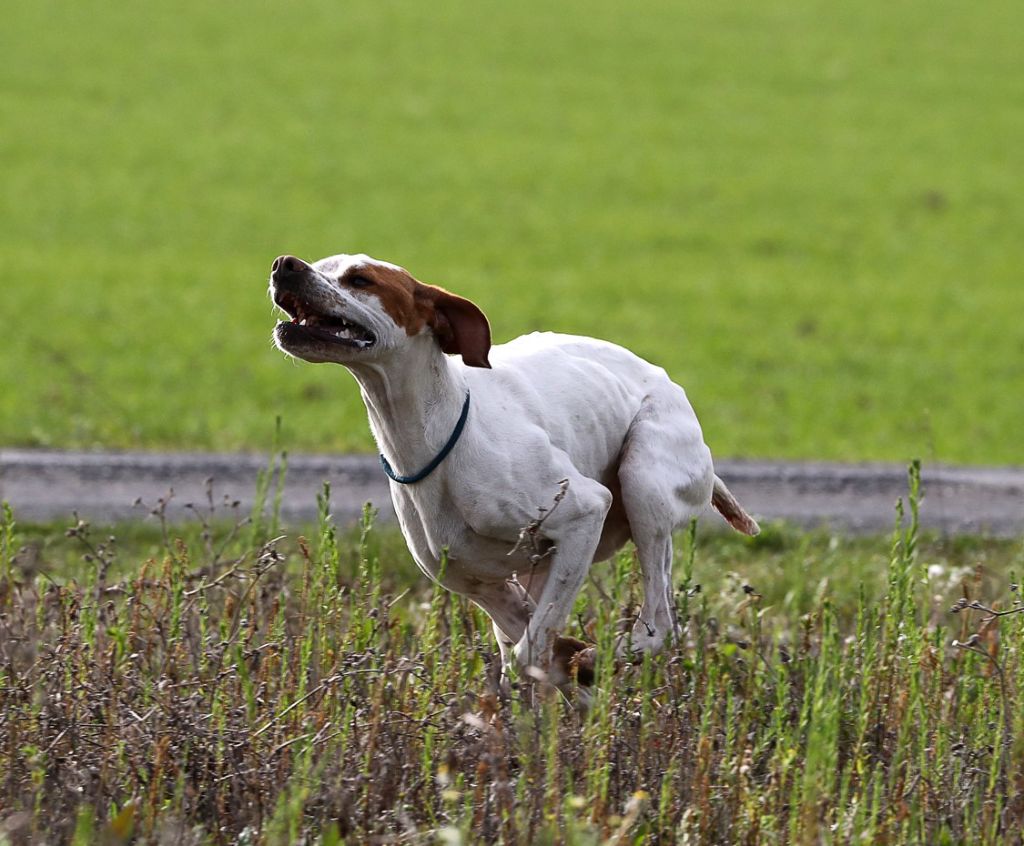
(44, 485)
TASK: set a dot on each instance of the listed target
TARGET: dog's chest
(446, 548)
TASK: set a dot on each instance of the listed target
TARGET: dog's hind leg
(666, 478)
(655, 622)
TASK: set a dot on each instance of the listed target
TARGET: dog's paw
(574, 660)
(631, 646)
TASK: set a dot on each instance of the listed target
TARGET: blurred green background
(810, 214)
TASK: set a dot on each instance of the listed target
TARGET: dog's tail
(731, 510)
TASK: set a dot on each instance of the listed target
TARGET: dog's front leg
(505, 648)
(509, 609)
(574, 527)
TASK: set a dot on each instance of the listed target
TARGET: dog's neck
(413, 402)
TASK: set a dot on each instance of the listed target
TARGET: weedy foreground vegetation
(237, 686)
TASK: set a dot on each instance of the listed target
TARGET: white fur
(337, 265)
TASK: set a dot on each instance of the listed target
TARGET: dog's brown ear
(459, 326)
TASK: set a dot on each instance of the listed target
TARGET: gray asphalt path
(43, 485)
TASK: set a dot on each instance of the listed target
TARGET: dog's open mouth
(323, 327)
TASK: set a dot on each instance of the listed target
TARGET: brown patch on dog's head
(459, 325)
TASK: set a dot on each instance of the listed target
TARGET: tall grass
(290, 695)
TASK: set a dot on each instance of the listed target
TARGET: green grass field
(810, 215)
(216, 686)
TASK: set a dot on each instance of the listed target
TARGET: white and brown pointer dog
(475, 438)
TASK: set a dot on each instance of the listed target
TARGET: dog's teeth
(302, 322)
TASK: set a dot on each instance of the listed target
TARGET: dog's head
(353, 309)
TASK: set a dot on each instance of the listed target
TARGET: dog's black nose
(286, 266)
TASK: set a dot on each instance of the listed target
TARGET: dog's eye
(359, 282)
